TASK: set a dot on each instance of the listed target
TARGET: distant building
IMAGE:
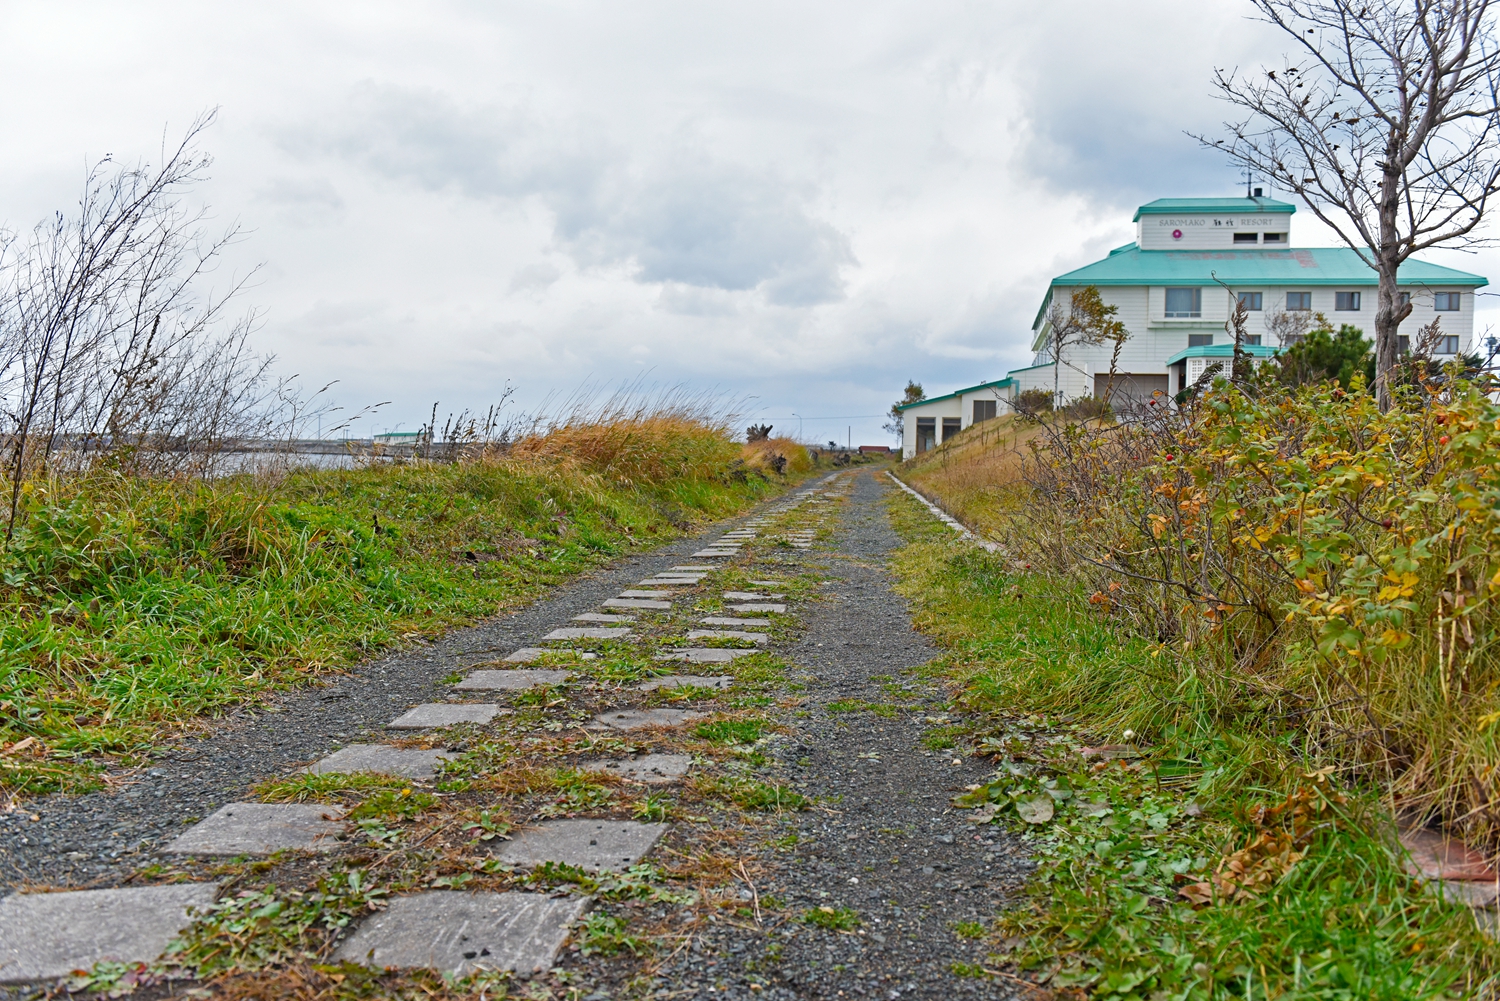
(1166, 288)
(874, 450)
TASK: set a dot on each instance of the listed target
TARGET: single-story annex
(1166, 288)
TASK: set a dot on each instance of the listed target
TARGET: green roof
(958, 392)
(1222, 351)
(1291, 267)
(1171, 206)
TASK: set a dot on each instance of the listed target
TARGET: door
(926, 434)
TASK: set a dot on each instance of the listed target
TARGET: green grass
(1029, 659)
(129, 607)
(831, 918)
(731, 731)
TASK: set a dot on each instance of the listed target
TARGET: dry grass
(976, 476)
(766, 456)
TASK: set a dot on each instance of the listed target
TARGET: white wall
(1201, 231)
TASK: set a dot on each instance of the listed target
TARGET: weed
(654, 807)
(325, 787)
(942, 737)
(393, 804)
(768, 798)
(832, 918)
(962, 969)
(487, 828)
(969, 929)
(731, 731)
(605, 935)
(576, 792)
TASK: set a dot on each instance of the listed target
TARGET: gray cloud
(681, 217)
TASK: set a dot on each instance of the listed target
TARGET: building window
(1403, 344)
(1346, 301)
(951, 426)
(926, 433)
(1200, 340)
(1299, 300)
(1246, 237)
(1251, 301)
(1446, 302)
(1184, 302)
(1252, 339)
(1447, 345)
(984, 410)
(1274, 238)
(1403, 299)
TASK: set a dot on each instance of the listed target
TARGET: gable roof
(958, 392)
(1311, 266)
(1172, 206)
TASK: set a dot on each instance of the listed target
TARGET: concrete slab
(593, 845)
(528, 654)
(434, 714)
(509, 681)
(260, 829)
(771, 607)
(690, 567)
(716, 552)
(603, 617)
(727, 620)
(727, 634)
(750, 596)
(719, 681)
(411, 763)
(704, 655)
(652, 769)
(659, 595)
(460, 933)
(45, 936)
(635, 719)
(587, 633)
(636, 603)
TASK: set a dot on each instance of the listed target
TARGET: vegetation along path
(706, 770)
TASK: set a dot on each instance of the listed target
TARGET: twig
(754, 894)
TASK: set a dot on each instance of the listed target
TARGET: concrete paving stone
(653, 769)
(667, 582)
(587, 633)
(434, 714)
(643, 593)
(527, 654)
(704, 655)
(719, 681)
(603, 617)
(260, 829)
(727, 620)
(690, 567)
(773, 608)
(750, 596)
(460, 933)
(509, 681)
(635, 603)
(727, 634)
(635, 719)
(716, 552)
(383, 759)
(46, 936)
(593, 845)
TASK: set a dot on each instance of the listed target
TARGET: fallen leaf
(1036, 811)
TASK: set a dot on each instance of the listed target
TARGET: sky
(796, 207)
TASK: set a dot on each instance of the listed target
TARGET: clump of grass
(731, 731)
(831, 918)
(327, 787)
(607, 935)
(393, 805)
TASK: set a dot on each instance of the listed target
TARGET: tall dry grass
(778, 456)
(977, 475)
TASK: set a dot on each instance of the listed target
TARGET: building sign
(1242, 222)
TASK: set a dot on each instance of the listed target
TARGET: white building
(1166, 288)
(931, 422)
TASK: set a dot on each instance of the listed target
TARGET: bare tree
(1289, 326)
(111, 349)
(1385, 122)
(1084, 319)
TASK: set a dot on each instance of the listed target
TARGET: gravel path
(885, 843)
(97, 840)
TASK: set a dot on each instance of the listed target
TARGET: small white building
(928, 423)
(1166, 288)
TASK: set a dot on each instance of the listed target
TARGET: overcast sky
(804, 204)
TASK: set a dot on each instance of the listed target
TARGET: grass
(973, 472)
(1043, 675)
(831, 918)
(129, 607)
(731, 731)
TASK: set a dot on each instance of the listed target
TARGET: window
(1252, 339)
(951, 426)
(1184, 302)
(1403, 344)
(1250, 300)
(1200, 340)
(926, 433)
(1246, 237)
(984, 410)
(1446, 302)
(1274, 238)
(1447, 345)
(1403, 299)
(1299, 300)
(1346, 301)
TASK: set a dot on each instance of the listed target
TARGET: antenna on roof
(1250, 179)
